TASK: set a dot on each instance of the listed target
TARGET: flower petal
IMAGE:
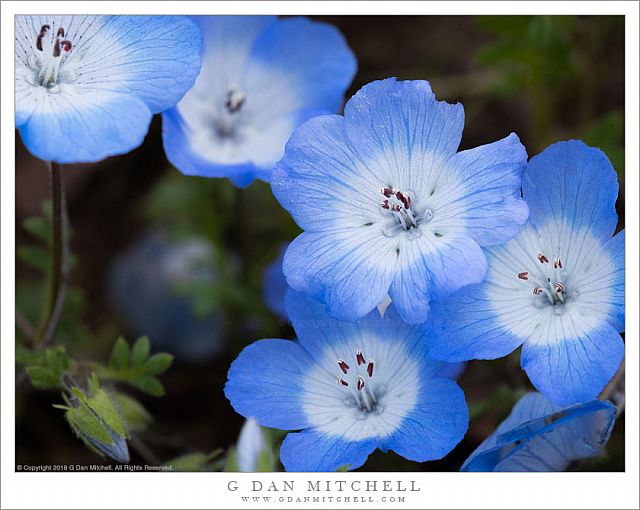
(574, 369)
(436, 425)
(69, 128)
(321, 181)
(347, 270)
(310, 450)
(402, 132)
(265, 382)
(486, 197)
(465, 327)
(311, 55)
(572, 181)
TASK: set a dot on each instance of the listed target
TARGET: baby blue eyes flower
(87, 86)
(557, 288)
(274, 286)
(261, 77)
(541, 436)
(250, 444)
(350, 387)
(389, 206)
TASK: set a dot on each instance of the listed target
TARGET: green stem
(59, 258)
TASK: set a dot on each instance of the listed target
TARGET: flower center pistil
(548, 281)
(399, 205)
(51, 51)
(227, 123)
(358, 381)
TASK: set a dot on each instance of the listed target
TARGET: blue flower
(251, 444)
(274, 286)
(144, 290)
(387, 204)
(351, 387)
(541, 436)
(87, 86)
(261, 77)
(557, 288)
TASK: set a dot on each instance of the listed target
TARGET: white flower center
(47, 61)
(547, 281)
(358, 381)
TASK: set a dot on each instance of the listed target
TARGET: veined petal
(311, 55)
(69, 127)
(265, 382)
(570, 181)
(310, 450)
(574, 369)
(403, 132)
(435, 426)
(465, 327)
(321, 181)
(486, 194)
(349, 270)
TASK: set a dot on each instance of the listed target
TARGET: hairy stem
(59, 258)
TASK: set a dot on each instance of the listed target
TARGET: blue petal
(614, 281)
(574, 370)
(465, 327)
(347, 270)
(310, 450)
(489, 200)
(85, 128)
(541, 436)
(402, 120)
(180, 154)
(436, 425)
(265, 382)
(574, 182)
(314, 55)
(274, 286)
(320, 179)
(156, 58)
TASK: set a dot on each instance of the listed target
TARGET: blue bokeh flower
(557, 288)
(251, 443)
(387, 204)
(261, 77)
(87, 86)
(541, 436)
(351, 387)
(144, 290)
(274, 286)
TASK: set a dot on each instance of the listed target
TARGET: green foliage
(607, 133)
(135, 417)
(197, 462)
(45, 368)
(136, 367)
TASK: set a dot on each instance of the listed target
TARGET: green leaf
(135, 416)
(192, 462)
(42, 378)
(35, 257)
(150, 385)
(119, 358)
(38, 227)
(140, 351)
(157, 363)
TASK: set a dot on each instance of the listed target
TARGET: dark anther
(343, 366)
(360, 383)
(542, 259)
(43, 31)
(342, 382)
(60, 32)
(360, 358)
(524, 275)
(66, 45)
(56, 48)
(370, 368)
(233, 102)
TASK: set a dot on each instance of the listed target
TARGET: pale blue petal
(465, 327)
(314, 56)
(435, 426)
(347, 270)
(487, 196)
(574, 370)
(265, 383)
(574, 182)
(310, 450)
(85, 128)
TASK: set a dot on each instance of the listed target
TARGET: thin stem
(59, 257)
(144, 451)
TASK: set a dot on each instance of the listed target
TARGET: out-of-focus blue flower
(250, 444)
(541, 436)
(274, 286)
(557, 288)
(261, 77)
(143, 289)
(87, 86)
(389, 207)
(351, 387)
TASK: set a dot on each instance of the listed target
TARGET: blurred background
(183, 259)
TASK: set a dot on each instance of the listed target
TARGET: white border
(207, 490)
